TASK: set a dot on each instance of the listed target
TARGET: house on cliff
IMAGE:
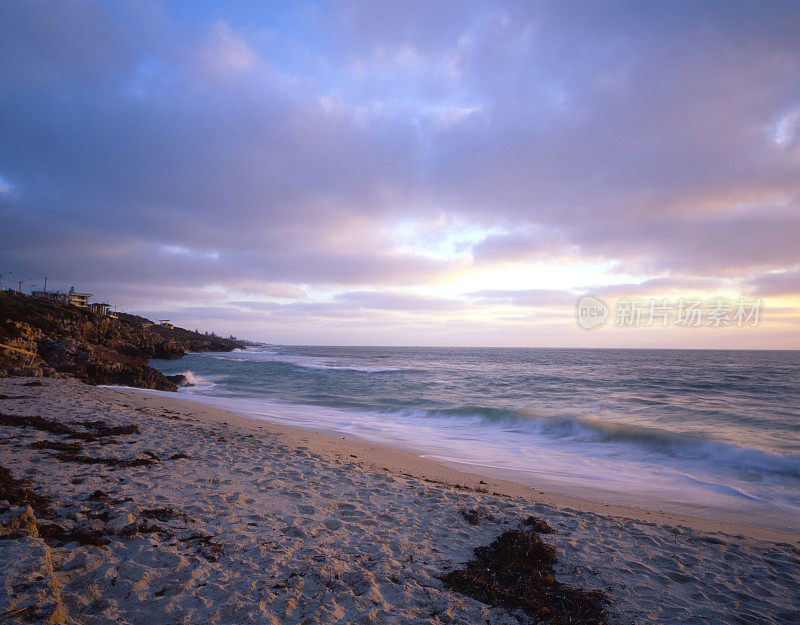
(81, 300)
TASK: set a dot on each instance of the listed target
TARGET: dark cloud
(63, 46)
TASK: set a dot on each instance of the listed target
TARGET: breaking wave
(198, 382)
(591, 431)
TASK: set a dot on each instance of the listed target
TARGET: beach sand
(232, 520)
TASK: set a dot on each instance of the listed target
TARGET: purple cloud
(203, 156)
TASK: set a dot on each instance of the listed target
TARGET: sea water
(711, 433)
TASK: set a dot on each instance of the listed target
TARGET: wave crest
(196, 382)
(588, 431)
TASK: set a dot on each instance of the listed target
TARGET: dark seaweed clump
(54, 534)
(15, 492)
(538, 525)
(516, 572)
(45, 425)
(206, 547)
(122, 463)
(162, 514)
(475, 515)
(73, 448)
(101, 428)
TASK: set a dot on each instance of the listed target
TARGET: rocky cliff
(94, 348)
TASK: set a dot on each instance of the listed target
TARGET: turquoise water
(715, 433)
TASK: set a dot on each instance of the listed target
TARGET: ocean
(709, 433)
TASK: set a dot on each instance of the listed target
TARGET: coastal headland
(39, 337)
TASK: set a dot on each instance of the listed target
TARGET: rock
(28, 587)
(179, 379)
(94, 348)
(124, 524)
(17, 523)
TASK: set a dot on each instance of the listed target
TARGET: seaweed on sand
(45, 425)
(516, 572)
(538, 525)
(163, 514)
(122, 463)
(15, 492)
(475, 515)
(205, 546)
(99, 496)
(53, 533)
(57, 446)
(101, 428)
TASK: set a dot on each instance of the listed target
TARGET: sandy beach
(387, 312)
(200, 516)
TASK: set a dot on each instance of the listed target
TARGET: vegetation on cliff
(94, 348)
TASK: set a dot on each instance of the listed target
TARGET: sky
(411, 172)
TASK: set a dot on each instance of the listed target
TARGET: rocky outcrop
(29, 591)
(96, 349)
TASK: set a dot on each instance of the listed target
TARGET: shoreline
(384, 456)
(159, 509)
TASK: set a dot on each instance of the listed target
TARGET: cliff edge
(57, 339)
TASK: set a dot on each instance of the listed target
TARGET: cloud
(227, 56)
(47, 45)
(521, 245)
(531, 298)
(387, 300)
(664, 286)
(209, 156)
(777, 283)
(256, 287)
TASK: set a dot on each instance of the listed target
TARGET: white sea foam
(303, 362)
(198, 382)
(650, 440)
(360, 368)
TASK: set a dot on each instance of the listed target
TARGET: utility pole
(45, 285)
